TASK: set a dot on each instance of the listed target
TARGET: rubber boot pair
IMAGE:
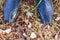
(45, 10)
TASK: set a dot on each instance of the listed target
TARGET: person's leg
(10, 9)
(46, 11)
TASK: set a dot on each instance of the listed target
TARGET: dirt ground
(28, 27)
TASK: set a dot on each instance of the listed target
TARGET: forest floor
(29, 26)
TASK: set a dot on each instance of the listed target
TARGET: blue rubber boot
(46, 11)
(11, 10)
